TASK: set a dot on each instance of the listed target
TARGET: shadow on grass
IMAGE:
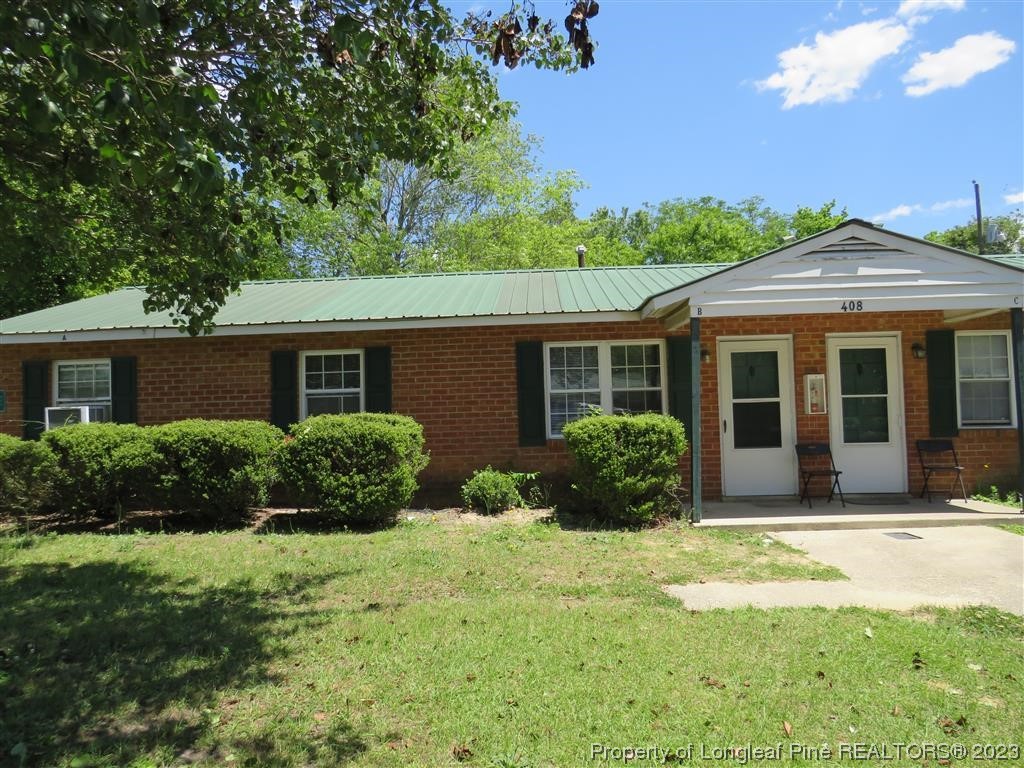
(107, 662)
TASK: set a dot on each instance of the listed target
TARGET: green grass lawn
(435, 644)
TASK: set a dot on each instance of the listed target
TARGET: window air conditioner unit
(62, 415)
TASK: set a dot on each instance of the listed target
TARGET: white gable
(853, 268)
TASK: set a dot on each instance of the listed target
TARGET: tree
(1002, 234)
(808, 221)
(187, 117)
(710, 230)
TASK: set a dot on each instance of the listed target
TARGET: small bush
(28, 470)
(216, 470)
(491, 491)
(104, 468)
(626, 467)
(356, 470)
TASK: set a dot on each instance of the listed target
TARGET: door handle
(725, 426)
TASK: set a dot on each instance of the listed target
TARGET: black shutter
(123, 389)
(680, 377)
(530, 386)
(942, 420)
(33, 397)
(284, 388)
(378, 379)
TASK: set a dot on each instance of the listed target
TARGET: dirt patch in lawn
(259, 521)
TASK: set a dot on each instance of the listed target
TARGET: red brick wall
(987, 454)
(460, 384)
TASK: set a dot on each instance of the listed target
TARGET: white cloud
(946, 205)
(917, 10)
(837, 64)
(1015, 199)
(955, 66)
(896, 213)
(904, 210)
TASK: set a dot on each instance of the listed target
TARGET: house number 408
(853, 306)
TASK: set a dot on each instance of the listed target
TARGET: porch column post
(695, 484)
(1017, 326)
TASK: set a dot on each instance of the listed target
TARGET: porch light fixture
(705, 355)
(918, 350)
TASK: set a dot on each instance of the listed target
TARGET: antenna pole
(977, 208)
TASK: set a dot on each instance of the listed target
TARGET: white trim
(1009, 378)
(55, 381)
(302, 376)
(863, 335)
(909, 299)
(604, 372)
(323, 326)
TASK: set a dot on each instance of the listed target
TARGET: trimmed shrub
(626, 467)
(104, 468)
(356, 470)
(28, 470)
(491, 491)
(216, 470)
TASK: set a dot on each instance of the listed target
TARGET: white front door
(866, 413)
(757, 423)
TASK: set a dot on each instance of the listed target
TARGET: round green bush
(104, 468)
(626, 468)
(28, 471)
(354, 470)
(491, 491)
(216, 470)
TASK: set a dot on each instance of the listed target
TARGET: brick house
(859, 336)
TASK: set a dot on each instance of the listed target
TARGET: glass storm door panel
(757, 424)
(866, 420)
(756, 406)
(864, 383)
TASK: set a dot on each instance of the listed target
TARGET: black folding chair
(940, 456)
(809, 457)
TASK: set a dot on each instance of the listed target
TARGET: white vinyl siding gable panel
(876, 271)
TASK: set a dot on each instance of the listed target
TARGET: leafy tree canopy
(709, 230)
(1001, 234)
(178, 123)
(494, 208)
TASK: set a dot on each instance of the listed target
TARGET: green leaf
(147, 13)
(209, 94)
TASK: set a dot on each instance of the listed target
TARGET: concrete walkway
(945, 566)
(787, 514)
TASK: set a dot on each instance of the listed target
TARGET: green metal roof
(1011, 259)
(391, 297)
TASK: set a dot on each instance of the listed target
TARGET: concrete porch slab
(939, 566)
(787, 514)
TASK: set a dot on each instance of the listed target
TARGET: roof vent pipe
(581, 254)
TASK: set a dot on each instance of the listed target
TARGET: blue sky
(890, 108)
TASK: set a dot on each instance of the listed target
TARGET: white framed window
(612, 376)
(984, 379)
(331, 382)
(83, 383)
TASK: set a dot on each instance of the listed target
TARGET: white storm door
(757, 423)
(866, 413)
